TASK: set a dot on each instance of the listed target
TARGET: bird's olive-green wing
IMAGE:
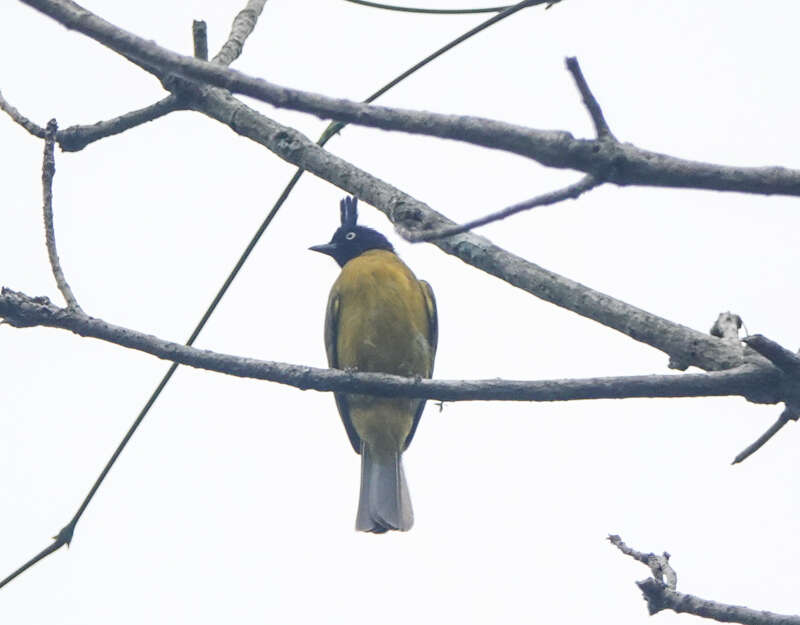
(433, 319)
(331, 341)
(433, 340)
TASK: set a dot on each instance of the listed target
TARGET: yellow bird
(379, 318)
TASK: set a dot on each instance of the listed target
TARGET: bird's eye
(350, 236)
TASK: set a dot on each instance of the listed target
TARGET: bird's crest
(349, 210)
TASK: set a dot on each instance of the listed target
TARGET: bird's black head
(351, 240)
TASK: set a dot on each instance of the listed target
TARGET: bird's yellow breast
(383, 322)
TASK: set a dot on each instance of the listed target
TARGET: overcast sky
(236, 500)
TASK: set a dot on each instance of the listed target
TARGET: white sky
(236, 500)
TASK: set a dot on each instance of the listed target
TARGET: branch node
(75, 138)
(19, 118)
(570, 192)
(653, 592)
(64, 537)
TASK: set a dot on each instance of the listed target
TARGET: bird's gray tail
(384, 503)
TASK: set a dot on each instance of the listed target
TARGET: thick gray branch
(20, 310)
(659, 597)
(623, 164)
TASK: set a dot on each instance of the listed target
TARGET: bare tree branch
(727, 327)
(48, 171)
(627, 164)
(661, 596)
(243, 25)
(571, 192)
(75, 138)
(748, 381)
(19, 118)
(786, 360)
(659, 565)
(789, 363)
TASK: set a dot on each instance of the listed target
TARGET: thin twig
(571, 192)
(200, 39)
(786, 416)
(243, 25)
(27, 124)
(48, 172)
(591, 103)
(76, 138)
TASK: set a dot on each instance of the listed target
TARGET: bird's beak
(325, 248)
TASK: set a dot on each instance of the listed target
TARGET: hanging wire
(391, 7)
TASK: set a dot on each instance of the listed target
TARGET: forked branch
(660, 594)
